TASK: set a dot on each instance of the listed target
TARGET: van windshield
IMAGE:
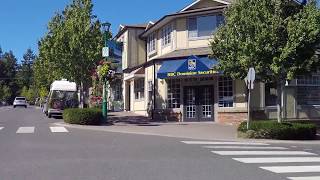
(63, 99)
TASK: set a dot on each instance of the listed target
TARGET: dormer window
(151, 45)
(204, 26)
(166, 35)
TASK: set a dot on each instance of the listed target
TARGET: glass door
(198, 103)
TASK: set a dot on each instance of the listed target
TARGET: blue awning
(192, 66)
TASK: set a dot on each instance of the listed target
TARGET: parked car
(20, 101)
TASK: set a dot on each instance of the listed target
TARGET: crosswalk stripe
(23, 130)
(235, 153)
(1, 128)
(58, 129)
(244, 147)
(292, 169)
(278, 160)
(223, 143)
(305, 178)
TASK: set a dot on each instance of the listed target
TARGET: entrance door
(198, 103)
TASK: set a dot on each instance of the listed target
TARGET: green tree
(24, 92)
(276, 37)
(25, 73)
(72, 46)
(8, 67)
(5, 93)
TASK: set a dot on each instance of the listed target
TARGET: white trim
(196, 2)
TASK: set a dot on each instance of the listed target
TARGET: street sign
(105, 52)
(251, 77)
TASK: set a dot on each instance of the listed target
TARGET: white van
(63, 94)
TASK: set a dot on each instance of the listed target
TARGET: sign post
(251, 77)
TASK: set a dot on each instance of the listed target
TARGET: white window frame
(151, 45)
(139, 89)
(197, 37)
(220, 98)
(173, 93)
(166, 35)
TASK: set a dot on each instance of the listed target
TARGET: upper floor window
(166, 35)
(151, 45)
(203, 26)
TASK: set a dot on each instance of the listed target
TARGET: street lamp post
(106, 29)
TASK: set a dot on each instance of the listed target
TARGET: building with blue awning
(168, 75)
(191, 66)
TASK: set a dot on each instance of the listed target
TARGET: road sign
(105, 52)
(251, 77)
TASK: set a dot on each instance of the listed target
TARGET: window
(173, 93)
(151, 45)
(225, 92)
(203, 26)
(117, 92)
(308, 90)
(166, 35)
(139, 89)
(271, 94)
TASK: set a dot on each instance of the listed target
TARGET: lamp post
(106, 29)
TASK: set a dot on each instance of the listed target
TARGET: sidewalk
(129, 123)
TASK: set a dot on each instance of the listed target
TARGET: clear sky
(24, 22)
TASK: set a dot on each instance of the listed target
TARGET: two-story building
(168, 73)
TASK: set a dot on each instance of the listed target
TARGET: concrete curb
(99, 128)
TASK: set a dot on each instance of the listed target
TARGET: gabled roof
(123, 28)
(225, 2)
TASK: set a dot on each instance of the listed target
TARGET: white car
(20, 101)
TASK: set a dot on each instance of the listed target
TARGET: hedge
(275, 130)
(87, 116)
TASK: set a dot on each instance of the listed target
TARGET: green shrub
(275, 130)
(88, 116)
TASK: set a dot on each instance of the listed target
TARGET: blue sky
(23, 22)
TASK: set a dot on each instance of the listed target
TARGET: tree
(5, 93)
(24, 91)
(72, 46)
(8, 67)
(276, 37)
(25, 74)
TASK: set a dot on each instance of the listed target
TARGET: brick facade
(231, 117)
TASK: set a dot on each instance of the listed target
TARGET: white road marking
(235, 153)
(305, 178)
(58, 129)
(278, 160)
(23, 130)
(292, 169)
(223, 143)
(1, 128)
(244, 147)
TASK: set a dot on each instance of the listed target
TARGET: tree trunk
(280, 87)
(81, 105)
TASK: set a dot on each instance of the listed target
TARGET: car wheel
(49, 115)
(25, 106)
(14, 106)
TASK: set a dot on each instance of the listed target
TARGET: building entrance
(198, 103)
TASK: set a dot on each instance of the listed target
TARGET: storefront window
(271, 94)
(139, 89)
(225, 92)
(117, 91)
(173, 93)
(308, 90)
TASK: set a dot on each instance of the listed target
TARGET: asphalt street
(32, 148)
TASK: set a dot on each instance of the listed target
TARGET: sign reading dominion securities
(191, 73)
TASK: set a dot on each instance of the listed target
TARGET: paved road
(31, 148)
